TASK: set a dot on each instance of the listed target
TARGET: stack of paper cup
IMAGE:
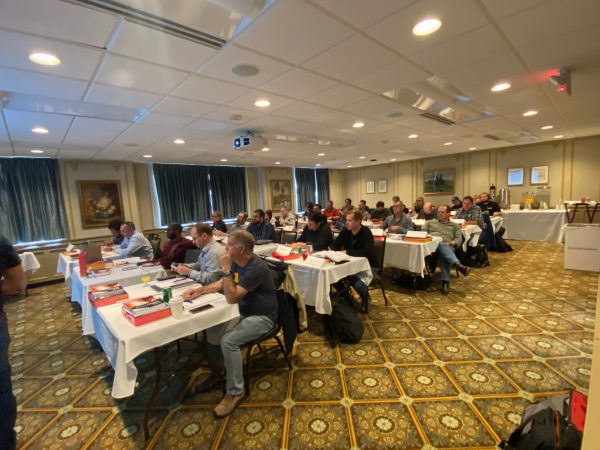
(176, 304)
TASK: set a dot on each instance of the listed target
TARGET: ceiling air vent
(438, 119)
(492, 137)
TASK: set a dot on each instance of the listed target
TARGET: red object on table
(293, 255)
(147, 318)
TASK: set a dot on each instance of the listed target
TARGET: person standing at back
(13, 281)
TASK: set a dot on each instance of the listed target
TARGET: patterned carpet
(431, 371)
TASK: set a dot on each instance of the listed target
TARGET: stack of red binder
(144, 310)
(106, 294)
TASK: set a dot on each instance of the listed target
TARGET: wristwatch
(225, 273)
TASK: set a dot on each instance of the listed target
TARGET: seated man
(357, 240)
(364, 210)
(286, 218)
(115, 229)
(239, 224)
(208, 267)
(218, 223)
(330, 212)
(380, 212)
(315, 232)
(260, 228)
(471, 213)
(248, 282)
(176, 246)
(134, 244)
(341, 223)
(308, 209)
(451, 239)
(428, 212)
(488, 206)
(417, 206)
(456, 203)
(399, 222)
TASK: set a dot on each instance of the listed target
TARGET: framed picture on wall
(439, 181)
(381, 186)
(539, 175)
(371, 187)
(99, 202)
(281, 194)
(516, 176)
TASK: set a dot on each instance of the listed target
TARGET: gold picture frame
(100, 201)
(438, 181)
(281, 194)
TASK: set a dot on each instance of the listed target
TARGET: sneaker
(213, 381)
(227, 405)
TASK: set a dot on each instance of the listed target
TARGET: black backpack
(344, 324)
(477, 256)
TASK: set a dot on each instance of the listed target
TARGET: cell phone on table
(200, 308)
(129, 268)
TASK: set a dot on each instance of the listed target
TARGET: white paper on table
(416, 234)
(131, 260)
(109, 254)
(172, 282)
(70, 247)
(458, 221)
(202, 300)
(319, 262)
(377, 231)
(334, 256)
(283, 250)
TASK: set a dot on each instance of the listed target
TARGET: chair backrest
(288, 237)
(278, 270)
(155, 243)
(191, 255)
(380, 252)
(278, 233)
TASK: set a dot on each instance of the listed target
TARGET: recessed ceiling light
(558, 136)
(223, 160)
(147, 156)
(413, 136)
(427, 26)
(358, 124)
(447, 143)
(547, 127)
(277, 163)
(265, 149)
(531, 112)
(44, 58)
(393, 159)
(472, 148)
(40, 130)
(244, 70)
(35, 150)
(361, 157)
(349, 166)
(179, 141)
(262, 103)
(320, 154)
(318, 165)
(499, 87)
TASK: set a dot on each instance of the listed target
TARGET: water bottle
(493, 190)
(309, 248)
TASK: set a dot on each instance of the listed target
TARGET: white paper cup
(176, 304)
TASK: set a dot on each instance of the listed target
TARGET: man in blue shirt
(134, 244)
(208, 268)
(399, 222)
(260, 228)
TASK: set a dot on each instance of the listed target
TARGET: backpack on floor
(477, 256)
(552, 424)
(501, 245)
(344, 324)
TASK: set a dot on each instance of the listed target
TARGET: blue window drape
(322, 176)
(305, 187)
(228, 185)
(31, 201)
(183, 192)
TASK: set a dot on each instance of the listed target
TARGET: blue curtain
(31, 202)
(183, 192)
(305, 185)
(322, 176)
(228, 185)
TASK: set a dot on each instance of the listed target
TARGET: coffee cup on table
(176, 304)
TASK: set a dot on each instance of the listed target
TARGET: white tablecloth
(29, 261)
(409, 255)
(497, 223)
(540, 225)
(265, 249)
(66, 264)
(81, 286)
(467, 232)
(122, 342)
(313, 282)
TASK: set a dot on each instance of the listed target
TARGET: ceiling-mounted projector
(249, 141)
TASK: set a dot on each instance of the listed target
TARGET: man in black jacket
(357, 240)
(316, 232)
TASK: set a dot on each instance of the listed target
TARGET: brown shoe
(227, 405)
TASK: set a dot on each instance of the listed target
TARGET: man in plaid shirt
(471, 213)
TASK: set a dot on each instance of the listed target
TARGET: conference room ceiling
(125, 88)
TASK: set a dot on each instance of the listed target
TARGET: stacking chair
(155, 243)
(191, 255)
(379, 255)
(288, 237)
(278, 234)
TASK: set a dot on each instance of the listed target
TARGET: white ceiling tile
(20, 124)
(138, 41)
(58, 19)
(174, 105)
(298, 83)
(48, 153)
(336, 119)
(142, 135)
(116, 153)
(508, 7)
(232, 115)
(392, 76)
(76, 61)
(169, 120)
(5, 149)
(375, 106)
(340, 95)
(293, 31)
(462, 50)
(117, 96)
(76, 154)
(301, 110)
(351, 58)
(228, 57)
(127, 73)
(209, 90)
(94, 131)
(24, 82)
(268, 123)
(457, 17)
(211, 126)
(361, 14)
(247, 100)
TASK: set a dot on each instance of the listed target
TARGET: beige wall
(573, 167)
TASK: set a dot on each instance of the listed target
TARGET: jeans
(447, 259)
(246, 330)
(8, 403)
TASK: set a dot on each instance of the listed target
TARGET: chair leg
(383, 292)
(282, 348)
(178, 346)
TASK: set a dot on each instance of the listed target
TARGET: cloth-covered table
(29, 261)
(535, 225)
(66, 265)
(265, 249)
(408, 256)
